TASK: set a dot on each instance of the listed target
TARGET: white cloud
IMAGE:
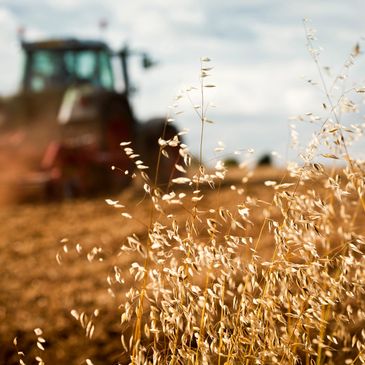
(9, 52)
(66, 4)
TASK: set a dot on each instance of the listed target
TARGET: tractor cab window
(106, 76)
(86, 67)
(94, 67)
(49, 69)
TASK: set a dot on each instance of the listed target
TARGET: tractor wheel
(161, 168)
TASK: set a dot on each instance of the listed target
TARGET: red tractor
(68, 119)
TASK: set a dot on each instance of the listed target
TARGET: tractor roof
(64, 44)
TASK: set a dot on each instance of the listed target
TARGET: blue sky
(257, 46)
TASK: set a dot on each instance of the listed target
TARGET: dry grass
(212, 268)
(37, 292)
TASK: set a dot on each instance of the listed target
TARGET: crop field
(66, 275)
(218, 265)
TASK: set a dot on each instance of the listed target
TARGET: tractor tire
(161, 168)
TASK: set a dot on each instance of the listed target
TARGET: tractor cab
(64, 74)
(59, 64)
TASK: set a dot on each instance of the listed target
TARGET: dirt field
(38, 292)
